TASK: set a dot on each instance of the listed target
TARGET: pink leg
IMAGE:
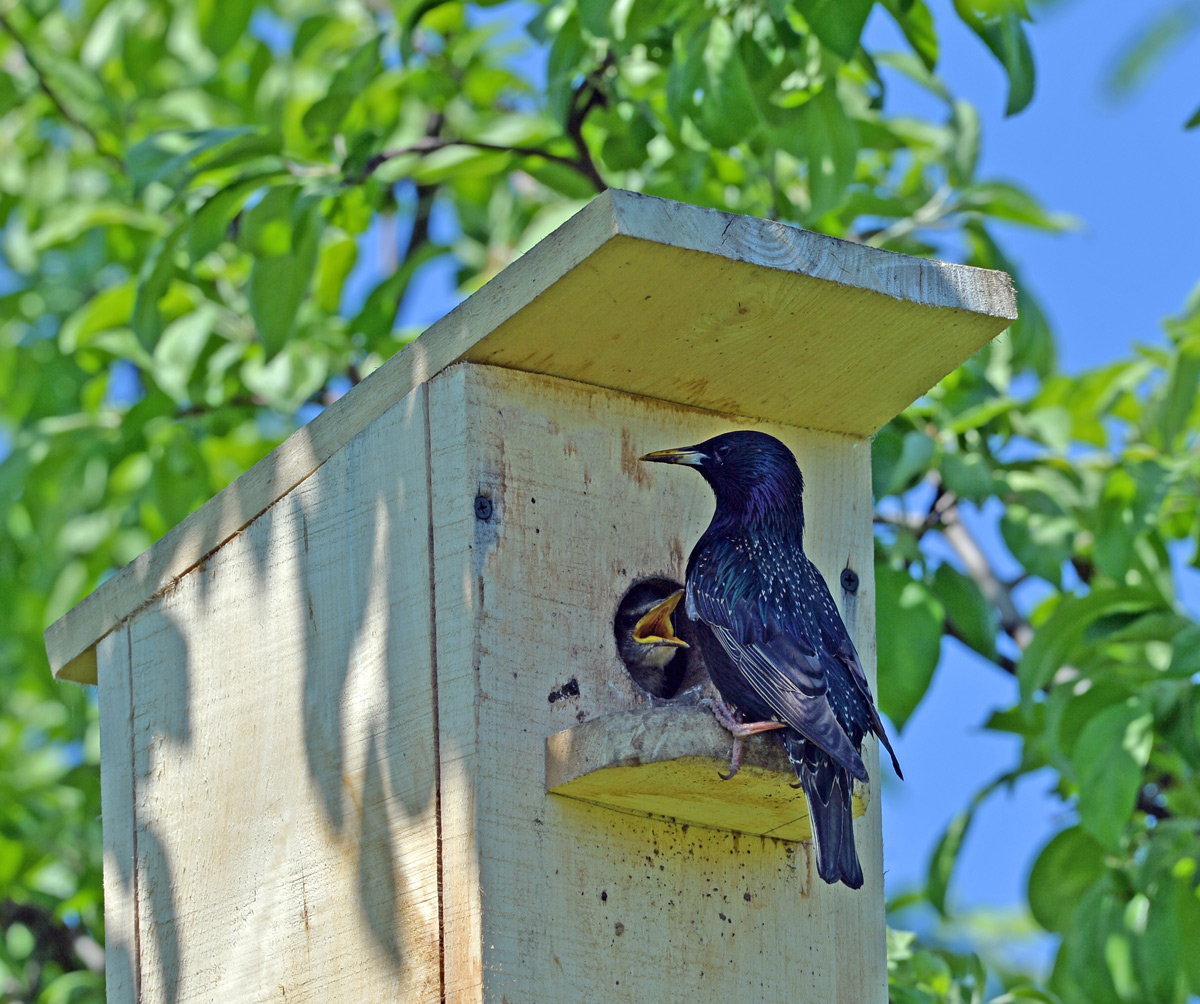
(739, 730)
(735, 759)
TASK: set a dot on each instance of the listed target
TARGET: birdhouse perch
(337, 702)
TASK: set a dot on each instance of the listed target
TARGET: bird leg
(729, 721)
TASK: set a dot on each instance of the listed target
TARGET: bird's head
(753, 475)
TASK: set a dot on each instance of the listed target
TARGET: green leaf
(157, 271)
(1180, 398)
(223, 22)
(728, 111)
(1003, 200)
(1096, 954)
(337, 259)
(909, 636)
(1194, 120)
(837, 23)
(967, 475)
(170, 157)
(108, 309)
(325, 116)
(970, 614)
(1187, 920)
(1108, 760)
(894, 472)
(563, 64)
(1150, 46)
(1055, 641)
(1064, 870)
(178, 349)
(998, 25)
(378, 314)
(945, 854)
(830, 144)
(209, 226)
(1039, 541)
(283, 232)
(914, 19)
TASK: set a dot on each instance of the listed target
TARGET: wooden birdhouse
(365, 733)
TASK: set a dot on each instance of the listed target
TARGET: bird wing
(786, 672)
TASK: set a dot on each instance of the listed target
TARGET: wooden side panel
(574, 901)
(116, 797)
(461, 542)
(283, 747)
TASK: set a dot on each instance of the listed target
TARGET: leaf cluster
(1096, 483)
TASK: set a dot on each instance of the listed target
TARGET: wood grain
(646, 296)
(282, 750)
(549, 899)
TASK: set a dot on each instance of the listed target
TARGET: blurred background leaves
(216, 218)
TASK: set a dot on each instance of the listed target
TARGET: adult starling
(769, 632)
(647, 638)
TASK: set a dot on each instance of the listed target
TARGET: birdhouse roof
(642, 295)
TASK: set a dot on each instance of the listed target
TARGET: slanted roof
(642, 295)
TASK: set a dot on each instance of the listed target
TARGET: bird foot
(739, 730)
(735, 759)
(730, 722)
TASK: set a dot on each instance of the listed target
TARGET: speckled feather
(772, 637)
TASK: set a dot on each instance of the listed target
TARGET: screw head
(850, 580)
(483, 507)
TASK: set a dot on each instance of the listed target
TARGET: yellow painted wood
(666, 761)
(269, 752)
(647, 296)
(550, 899)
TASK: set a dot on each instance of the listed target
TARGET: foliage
(1098, 478)
(213, 216)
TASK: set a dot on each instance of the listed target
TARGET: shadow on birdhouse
(364, 803)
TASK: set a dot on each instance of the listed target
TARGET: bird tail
(827, 787)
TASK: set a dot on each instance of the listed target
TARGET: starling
(771, 636)
(647, 638)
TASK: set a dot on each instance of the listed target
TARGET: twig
(431, 144)
(978, 567)
(950, 629)
(44, 86)
(927, 215)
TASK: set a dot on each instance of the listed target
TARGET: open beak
(655, 627)
(688, 455)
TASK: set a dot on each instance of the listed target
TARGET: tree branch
(431, 144)
(1003, 661)
(44, 86)
(978, 567)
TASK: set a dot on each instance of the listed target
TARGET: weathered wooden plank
(661, 762)
(70, 638)
(647, 296)
(579, 902)
(460, 542)
(283, 747)
(121, 955)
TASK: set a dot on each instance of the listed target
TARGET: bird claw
(735, 759)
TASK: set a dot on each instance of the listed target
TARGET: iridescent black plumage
(771, 635)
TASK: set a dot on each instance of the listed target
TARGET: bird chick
(771, 636)
(646, 636)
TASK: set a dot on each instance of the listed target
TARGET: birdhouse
(366, 733)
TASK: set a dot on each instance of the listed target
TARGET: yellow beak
(655, 627)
